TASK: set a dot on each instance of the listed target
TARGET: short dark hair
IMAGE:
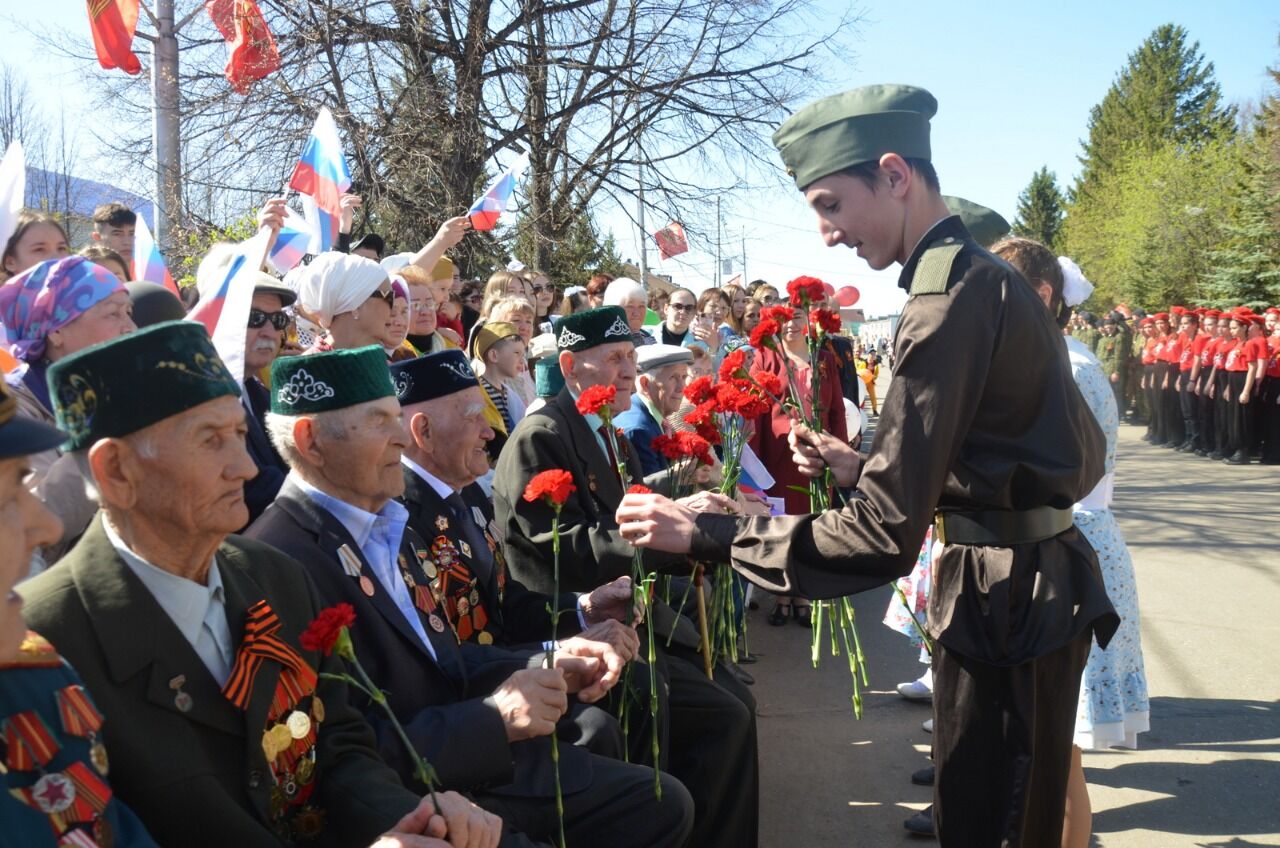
(868, 171)
(114, 214)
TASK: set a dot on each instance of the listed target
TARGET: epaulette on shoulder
(933, 269)
(36, 652)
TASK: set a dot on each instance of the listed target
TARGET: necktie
(608, 449)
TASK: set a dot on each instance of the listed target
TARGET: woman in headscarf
(49, 311)
(350, 297)
(397, 347)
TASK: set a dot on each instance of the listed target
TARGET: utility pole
(718, 234)
(743, 269)
(644, 233)
(166, 128)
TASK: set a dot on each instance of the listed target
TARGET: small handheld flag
(486, 211)
(148, 264)
(13, 188)
(292, 242)
(323, 176)
(226, 314)
(671, 240)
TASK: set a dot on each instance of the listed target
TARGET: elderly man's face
(25, 524)
(456, 436)
(604, 365)
(262, 343)
(365, 458)
(187, 472)
(664, 386)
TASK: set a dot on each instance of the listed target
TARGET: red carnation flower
(699, 390)
(710, 432)
(553, 485)
(826, 320)
(765, 335)
(806, 290)
(781, 314)
(732, 364)
(596, 398)
(324, 631)
(769, 382)
(701, 414)
(637, 489)
(665, 445)
(693, 445)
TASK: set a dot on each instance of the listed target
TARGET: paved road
(1205, 538)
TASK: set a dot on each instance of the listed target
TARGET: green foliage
(574, 258)
(191, 244)
(1040, 209)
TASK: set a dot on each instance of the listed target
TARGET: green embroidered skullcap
(853, 127)
(592, 328)
(987, 226)
(321, 382)
(120, 386)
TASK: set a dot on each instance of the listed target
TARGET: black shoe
(748, 659)
(1201, 452)
(781, 615)
(742, 675)
(803, 615)
(923, 777)
(921, 824)
(1217, 456)
(1237, 458)
(1186, 447)
(1170, 444)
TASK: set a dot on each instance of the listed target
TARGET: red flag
(253, 50)
(671, 240)
(113, 23)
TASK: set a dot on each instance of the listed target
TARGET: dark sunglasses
(681, 307)
(279, 320)
(541, 289)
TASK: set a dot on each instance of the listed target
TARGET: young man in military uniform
(1113, 353)
(984, 433)
(220, 728)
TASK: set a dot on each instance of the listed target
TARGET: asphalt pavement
(1205, 540)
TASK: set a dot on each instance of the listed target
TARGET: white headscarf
(336, 283)
(1076, 288)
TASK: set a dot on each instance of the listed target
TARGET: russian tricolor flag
(148, 264)
(322, 175)
(486, 211)
(225, 314)
(292, 242)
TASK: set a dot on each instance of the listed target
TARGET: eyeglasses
(279, 320)
(681, 307)
(769, 300)
(541, 289)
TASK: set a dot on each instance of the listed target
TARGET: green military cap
(853, 127)
(985, 225)
(321, 382)
(120, 386)
(592, 328)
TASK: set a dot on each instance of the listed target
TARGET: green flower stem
(551, 661)
(924, 636)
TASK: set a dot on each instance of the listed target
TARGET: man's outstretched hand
(652, 521)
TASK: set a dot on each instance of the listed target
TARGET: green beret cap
(321, 382)
(592, 328)
(853, 127)
(986, 226)
(120, 386)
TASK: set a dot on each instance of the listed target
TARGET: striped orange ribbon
(260, 643)
(79, 715)
(29, 740)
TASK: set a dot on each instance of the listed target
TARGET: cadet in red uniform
(1270, 401)
(1201, 378)
(1150, 350)
(1167, 367)
(1239, 367)
(1189, 332)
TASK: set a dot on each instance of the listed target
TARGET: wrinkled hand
(652, 521)
(347, 206)
(813, 452)
(613, 600)
(753, 504)
(452, 231)
(622, 637)
(458, 823)
(602, 667)
(531, 701)
(271, 215)
(713, 502)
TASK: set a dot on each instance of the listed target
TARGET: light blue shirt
(378, 536)
(199, 612)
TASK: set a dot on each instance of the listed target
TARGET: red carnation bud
(325, 629)
(637, 489)
(596, 398)
(553, 486)
(699, 390)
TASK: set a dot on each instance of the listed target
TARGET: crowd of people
(187, 536)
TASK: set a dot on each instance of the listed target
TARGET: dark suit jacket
(592, 551)
(442, 702)
(261, 490)
(516, 615)
(200, 777)
(641, 429)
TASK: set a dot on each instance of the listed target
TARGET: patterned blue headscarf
(48, 297)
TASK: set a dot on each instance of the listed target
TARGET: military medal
(299, 724)
(103, 834)
(81, 718)
(591, 480)
(53, 793)
(442, 523)
(485, 638)
(466, 549)
(430, 568)
(98, 756)
(305, 770)
(436, 623)
(317, 709)
(350, 561)
(181, 699)
(366, 585)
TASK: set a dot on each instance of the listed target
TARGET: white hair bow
(1076, 288)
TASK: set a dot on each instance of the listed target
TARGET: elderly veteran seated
(662, 371)
(48, 312)
(53, 729)
(188, 640)
(351, 297)
(481, 715)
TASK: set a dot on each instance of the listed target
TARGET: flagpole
(165, 124)
(717, 241)
(644, 235)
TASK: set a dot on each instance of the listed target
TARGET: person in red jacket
(1167, 367)
(1270, 400)
(1240, 366)
(1201, 379)
(1191, 341)
(1150, 351)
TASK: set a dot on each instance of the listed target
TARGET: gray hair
(144, 444)
(333, 424)
(623, 289)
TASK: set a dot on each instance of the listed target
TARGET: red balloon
(847, 296)
(829, 289)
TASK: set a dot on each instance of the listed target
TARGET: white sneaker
(915, 691)
(927, 725)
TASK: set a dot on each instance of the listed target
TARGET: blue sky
(1014, 80)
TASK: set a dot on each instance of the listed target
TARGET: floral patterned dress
(915, 589)
(1113, 706)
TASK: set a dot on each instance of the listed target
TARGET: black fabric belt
(1001, 528)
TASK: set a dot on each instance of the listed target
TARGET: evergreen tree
(1040, 209)
(1165, 93)
(570, 261)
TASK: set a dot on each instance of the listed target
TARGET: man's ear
(420, 430)
(304, 440)
(95, 235)
(896, 172)
(111, 474)
(566, 362)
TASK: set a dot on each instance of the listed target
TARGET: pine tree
(572, 260)
(1040, 209)
(1165, 93)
